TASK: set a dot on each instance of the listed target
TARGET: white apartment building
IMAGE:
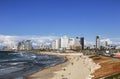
(71, 42)
(25, 45)
(77, 41)
(64, 42)
(28, 44)
(58, 44)
(54, 44)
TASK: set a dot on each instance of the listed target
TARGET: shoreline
(27, 76)
(48, 68)
(77, 66)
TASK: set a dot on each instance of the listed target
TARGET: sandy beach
(77, 66)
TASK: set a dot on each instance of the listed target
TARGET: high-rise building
(82, 42)
(45, 46)
(68, 43)
(97, 42)
(28, 45)
(106, 43)
(76, 45)
(71, 43)
(58, 43)
(54, 44)
(77, 41)
(21, 46)
(25, 45)
(64, 42)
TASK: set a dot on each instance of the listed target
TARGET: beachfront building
(68, 43)
(64, 42)
(82, 42)
(76, 45)
(97, 42)
(21, 46)
(71, 43)
(28, 45)
(9, 47)
(57, 43)
(45, 46)
(54, 44)
(77, 41)
(25, 45)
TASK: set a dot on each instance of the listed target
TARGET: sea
(14, 65)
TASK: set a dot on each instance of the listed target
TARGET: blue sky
(86, 18)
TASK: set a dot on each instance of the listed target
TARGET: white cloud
(6, 40)
(89, 43)
(111, 41)
(108, 41)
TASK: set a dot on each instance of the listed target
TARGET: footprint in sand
(72, 63)
(64, 78)
(62, 75)
(69, 74)
(64, 69)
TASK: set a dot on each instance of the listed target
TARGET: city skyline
(47, 40)
(57, 18)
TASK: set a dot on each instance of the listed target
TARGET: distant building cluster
(68, 43)
(45, 46)
(25, 45)
(104, 46)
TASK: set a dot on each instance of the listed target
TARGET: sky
(73, 18)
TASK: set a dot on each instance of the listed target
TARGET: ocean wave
(20, 64)
(9, 70)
